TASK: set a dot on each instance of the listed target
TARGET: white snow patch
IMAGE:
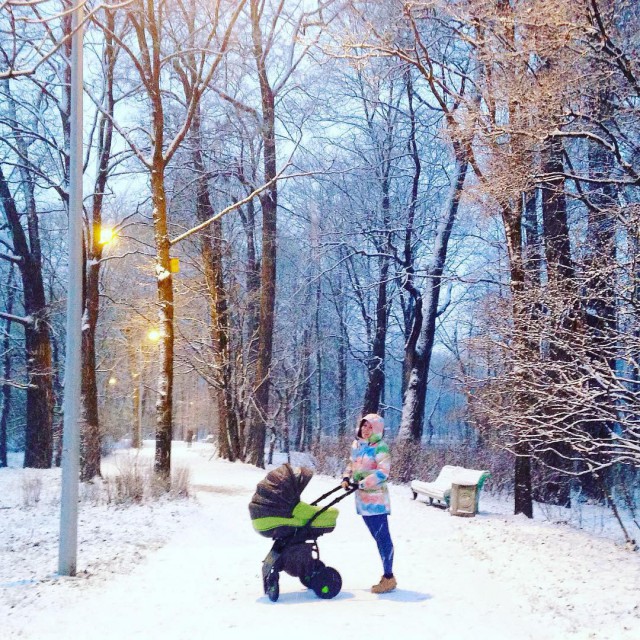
(162, 273)
(85, 320)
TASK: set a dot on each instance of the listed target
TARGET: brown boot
(385, 585)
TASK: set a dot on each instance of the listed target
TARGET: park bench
(440, 488)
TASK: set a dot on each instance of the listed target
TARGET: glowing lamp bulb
(107, 235)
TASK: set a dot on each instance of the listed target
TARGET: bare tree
(95, 240)
(26, 253)
(152, 41)
(5, 351)
(267, 20)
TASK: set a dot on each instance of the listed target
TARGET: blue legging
(379, 527)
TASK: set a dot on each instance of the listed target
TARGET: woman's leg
(378, 525)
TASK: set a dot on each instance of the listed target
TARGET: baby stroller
(277, 513)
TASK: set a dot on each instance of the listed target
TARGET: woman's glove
(346, 483)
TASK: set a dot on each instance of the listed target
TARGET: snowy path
(494, 577)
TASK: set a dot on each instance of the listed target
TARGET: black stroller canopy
(279, 493)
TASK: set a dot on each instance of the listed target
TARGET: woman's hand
(346, 483)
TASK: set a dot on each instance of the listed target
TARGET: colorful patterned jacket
(369, 466)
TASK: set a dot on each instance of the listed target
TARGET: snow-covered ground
(190, 569)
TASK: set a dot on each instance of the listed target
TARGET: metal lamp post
(71, 403)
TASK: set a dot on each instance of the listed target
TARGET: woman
(369, 467)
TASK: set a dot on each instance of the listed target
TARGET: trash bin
(463, 500)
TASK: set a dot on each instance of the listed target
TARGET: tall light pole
(71, 403)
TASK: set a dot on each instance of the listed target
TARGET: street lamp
(106, 235)
(68, 545)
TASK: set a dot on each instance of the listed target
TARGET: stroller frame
(298, 555)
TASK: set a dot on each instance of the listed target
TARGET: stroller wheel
(307, 579)
(327, 583)
(273, 587)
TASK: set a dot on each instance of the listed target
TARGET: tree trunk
(512, 220)
(134, 355)
(269, 204)
(554, 487)
(229, 437)
(554, 214)
(39, 434)
(523, 502)
(409, 308)
(164, 402)
(284, 427)
(342, 380)
(252, 284)
(419, 347)
(375, 364)
(533, 250)
(58, 391)
(90, 453)
(38, 437)
(600, 304)
(6, 371)
(90, 445)
(318, 366)
(304, 442)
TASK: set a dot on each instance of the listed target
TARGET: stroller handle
(349, 491)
